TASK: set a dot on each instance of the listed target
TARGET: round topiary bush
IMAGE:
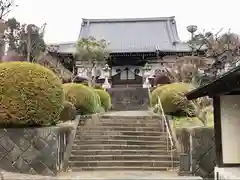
(30, 95)
(83, 97)
(105, 98)
(172, 96)
(68, 112)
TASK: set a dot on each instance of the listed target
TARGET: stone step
(119, 128)
(119, 146)
(131, 118)
(126, 117)
(120, 142)
(133, 157)
(118, 136)
(113, 124)
(119, 152)
(118, 168)
(98, 132)
(149, 163)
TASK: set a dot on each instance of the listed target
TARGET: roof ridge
(128, 19)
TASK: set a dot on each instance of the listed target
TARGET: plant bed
(31, 106)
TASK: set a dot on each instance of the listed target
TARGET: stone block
(129, 98)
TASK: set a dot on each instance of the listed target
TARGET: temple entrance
(127, 77)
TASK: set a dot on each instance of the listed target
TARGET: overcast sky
(63, 17)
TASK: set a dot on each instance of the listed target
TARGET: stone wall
(39, 151)
(199, 143)
(129, 98)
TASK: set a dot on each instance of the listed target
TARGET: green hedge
(83, 97)
(172, 96)
(68, 112)
(105, 98)
(30, 95)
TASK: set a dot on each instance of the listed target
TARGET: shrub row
(32, 95)
(87, 100)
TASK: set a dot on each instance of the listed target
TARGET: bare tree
(186, 68)
(26, 39)
(5, 7)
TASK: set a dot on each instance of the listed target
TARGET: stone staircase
(122, 143)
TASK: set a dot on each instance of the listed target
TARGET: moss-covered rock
(83, 97)
(172, 96)
(105, 98)
(30, 95)
(69, 112)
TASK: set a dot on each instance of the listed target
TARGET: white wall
(230, 120)
(132, 68)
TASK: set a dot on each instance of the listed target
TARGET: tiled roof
(68, 47)
(133, 34)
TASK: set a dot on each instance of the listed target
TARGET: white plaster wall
(230, 120)
(132, 68)
(154, 66)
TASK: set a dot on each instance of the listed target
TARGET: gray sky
(63, 17)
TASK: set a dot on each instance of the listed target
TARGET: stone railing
(197, 151)
(65, 141)
(39, 151)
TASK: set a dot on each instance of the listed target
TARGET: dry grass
(191, 122)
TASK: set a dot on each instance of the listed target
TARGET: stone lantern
(147, 72)
(106, 73)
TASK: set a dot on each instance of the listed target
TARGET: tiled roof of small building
(133, 35)
(65, 48)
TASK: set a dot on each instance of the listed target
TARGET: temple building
(132, 42)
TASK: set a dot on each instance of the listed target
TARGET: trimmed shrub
(83, 97)
(98, 103)
(69, 111)
(172, 97)
(30, 95)
(84, 83)
(98, 86)
(105, 98)
(161, 79)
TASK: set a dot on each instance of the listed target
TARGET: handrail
(169, 135)
(165, 122)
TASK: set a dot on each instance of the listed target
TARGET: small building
(225, 92)
(133, 42)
